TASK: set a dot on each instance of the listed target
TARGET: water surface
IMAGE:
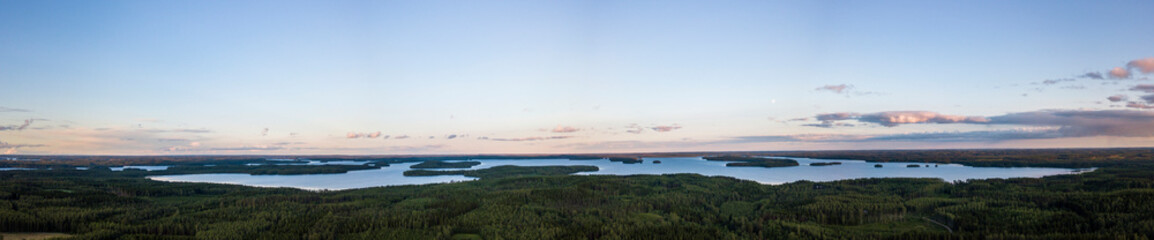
(849, 169)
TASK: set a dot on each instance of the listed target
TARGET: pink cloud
(564, 129)
(1120, 73)
(1145, 65)
(840, 88)
(666, 128)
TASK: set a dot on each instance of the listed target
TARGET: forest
(1115, 201)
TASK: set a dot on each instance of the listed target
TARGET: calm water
(849, 169)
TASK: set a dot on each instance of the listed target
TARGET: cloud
(564, 129)
(1080, 123)
(8, 109)
(1146, 88)
(1148, 98)
(1092, 75)
(15, 146)
(178, 130)
(1139, 105)
(1069, 123)
(264, 132)
(451, 136)
(633, 145)
(839, 89)
(527, 139)
(894, 118)
(829, 124)
(1145, 65)
(1117, 98)
(1056, 81)
(836, 116)
(1120, 73)
(890, 119)
(355, 135)
(634, 128)
(401, 137)
(666, 128)
(249, 148)
(20, 127)
(973, 136)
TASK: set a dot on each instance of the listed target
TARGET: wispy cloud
(1139, 105)
(13, 148)
(1146, 88)
(1116, 98)
(249, 148)
(564, 129)
(1056, 81)
(355, 135)
(20, 127)
(637, 128)
(666, 128)
(1148, 98)
(839, 89)
(526, 139)
(634, 128)
(1092, 75)
(8, 109)
(844, 89)
(178, 130)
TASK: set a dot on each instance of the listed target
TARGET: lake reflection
(849, 169)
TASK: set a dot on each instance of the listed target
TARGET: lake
(849, 169)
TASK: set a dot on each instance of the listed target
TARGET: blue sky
(309, 77)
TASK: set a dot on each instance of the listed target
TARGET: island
(914, 165)
(878, 165)
(507, 171)
(443, 164)
(626, 160)
(740, 161)
(818, 164)
(656, 161)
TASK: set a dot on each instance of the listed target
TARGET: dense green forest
(1116, 201)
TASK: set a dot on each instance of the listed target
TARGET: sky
(493, 77)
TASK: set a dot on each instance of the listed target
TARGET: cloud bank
(894, 118)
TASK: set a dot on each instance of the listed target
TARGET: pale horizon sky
(464, 77)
